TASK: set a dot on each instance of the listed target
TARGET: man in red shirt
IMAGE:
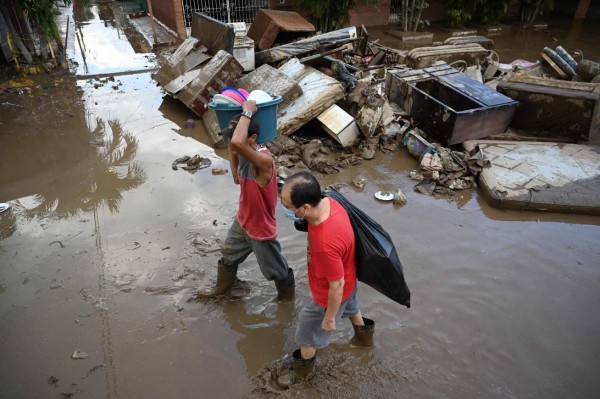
(331, 272)
(254, 228)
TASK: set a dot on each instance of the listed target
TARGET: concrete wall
(170, 13)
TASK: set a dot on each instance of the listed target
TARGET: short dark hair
(304, 189)
(253, 128)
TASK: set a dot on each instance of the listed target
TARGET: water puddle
(102, 45)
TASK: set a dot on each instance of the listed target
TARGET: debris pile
(345, 97)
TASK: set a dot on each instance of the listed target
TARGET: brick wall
(371, 16)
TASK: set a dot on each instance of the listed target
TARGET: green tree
(490, 12)
(330, 15)
(459, 12)
(530, 9)
(42, 17)
(411, 14)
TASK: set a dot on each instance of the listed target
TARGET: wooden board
(559, 71)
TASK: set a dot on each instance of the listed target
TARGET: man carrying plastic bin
(254, 228)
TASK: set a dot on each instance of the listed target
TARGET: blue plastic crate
(266, 116)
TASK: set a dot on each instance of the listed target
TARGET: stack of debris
(345, 97)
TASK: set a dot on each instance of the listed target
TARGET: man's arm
(262, 162)
(233, 162)
(334, 300)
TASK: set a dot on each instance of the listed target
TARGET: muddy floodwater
(104, 244)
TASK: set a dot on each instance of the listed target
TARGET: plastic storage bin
(266, 116)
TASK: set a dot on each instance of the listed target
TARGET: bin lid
(476, 90)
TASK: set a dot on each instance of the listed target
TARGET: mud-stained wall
(170, 13)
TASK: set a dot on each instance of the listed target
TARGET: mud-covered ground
(105, 243)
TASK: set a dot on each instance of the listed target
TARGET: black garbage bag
(377, 262)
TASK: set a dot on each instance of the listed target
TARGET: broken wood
(556, 68)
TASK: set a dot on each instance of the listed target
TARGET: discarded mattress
(421, 57)
(304, 46)
(481, 40)
(319, 92)
(541, 176)
(273, 81)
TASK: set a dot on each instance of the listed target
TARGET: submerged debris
(192, 163)
(79, 354)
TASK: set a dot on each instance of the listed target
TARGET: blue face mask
(290, 214)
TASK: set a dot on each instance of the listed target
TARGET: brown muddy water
(105, 243)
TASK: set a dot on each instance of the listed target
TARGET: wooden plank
(556, 68)
(183, 50)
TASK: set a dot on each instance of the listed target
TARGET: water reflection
(101, 44)
(102, 171)
(513, 41)
(266, 329)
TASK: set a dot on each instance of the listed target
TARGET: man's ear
(253, 137)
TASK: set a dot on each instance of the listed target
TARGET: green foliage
(459, 12)
(42, 16)
(330, 15)
(490, 12)
(411, 14)
(530, 9)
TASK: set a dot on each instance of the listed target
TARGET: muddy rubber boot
(363, 335)
(303, 367)
(292, 369)
(286, 287)
(225, 280)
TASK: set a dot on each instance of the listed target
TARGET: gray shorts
(238, 246)
(309, 332)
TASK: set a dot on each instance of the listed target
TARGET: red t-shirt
(331, 254)
(256, 214)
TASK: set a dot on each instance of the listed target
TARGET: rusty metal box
(449, 105)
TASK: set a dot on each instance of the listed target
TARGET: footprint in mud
(164, 290)
(125, 282)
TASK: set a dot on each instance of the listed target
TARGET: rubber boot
(293, 369)
(286, 287)
(363, 335)
(303, 367)
(225, 280)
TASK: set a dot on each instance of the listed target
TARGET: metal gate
(395, 11)
(223, 10)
